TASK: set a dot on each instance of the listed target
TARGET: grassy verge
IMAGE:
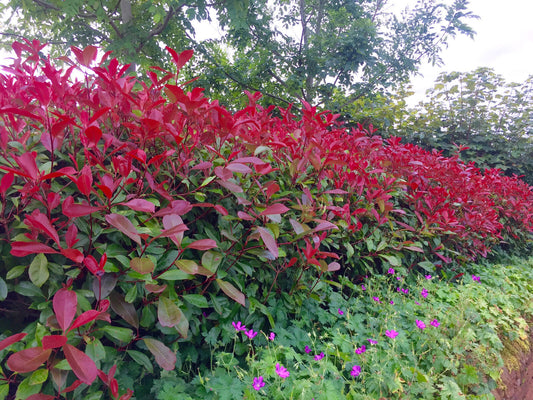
(388, 337)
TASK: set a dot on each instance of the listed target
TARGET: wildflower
(398, 278)
(417, 303)
(251, 334)
(258, 383)
(340, 312)
(238, 326)
(356, 370)
(272, 336)
(435, 323)
(391, 271)
(476, 278)
(372, 341)
(307, 349)
(392, 302)
(424, 293)
(420, 324)
(282, 371)
(360, 350)
(405, 291)
(428, 277)
(392, 333)
(363, 287)
(319, 357)
(376, 299)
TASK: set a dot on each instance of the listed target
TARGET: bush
(139, 220)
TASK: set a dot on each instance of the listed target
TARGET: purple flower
(428, 277)
(307, 349)
(319, 357)
(398, 278)
(405, 291)
(363, 287)
(272, 336)
(340, 312)
(417, 303)
(392, 333)
(282, 371)
(392, 302)
(424, 293)
(258, 383)
(360, 350)
(251, 334)
(372, 341)
(356, 370)
(391, 271)
(476, 278)
(376, 299)
(435, 323)
(420, 324)
(238, 326)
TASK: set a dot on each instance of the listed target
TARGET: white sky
(503, 41)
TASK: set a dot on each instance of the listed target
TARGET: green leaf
(25, 389)
(131, 295)
(141, 359)
(393, 260)
(3, 289)
(15, 272)
(232, 292)
(197, 300)
(38, 376)
(123, 335)
(28, 289)
(39, 270)
(142, 265)
(187, 266)
(168, 313)
(4, 391)
(175, 275)
(211, 260)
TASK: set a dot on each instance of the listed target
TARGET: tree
(288, 49)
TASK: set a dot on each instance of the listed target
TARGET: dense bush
(139, 220)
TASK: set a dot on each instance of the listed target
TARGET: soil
(517, 384)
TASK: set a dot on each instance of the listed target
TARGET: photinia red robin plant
(138, 218)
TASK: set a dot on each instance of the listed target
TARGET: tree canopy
(289, 50)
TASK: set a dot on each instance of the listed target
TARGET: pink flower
(424, 293)
(251, 334)
(360, 350)
(435, 323)
(420, 324)
(391, 271)
(307, 349)
(238, 326)
(282, 371)
(376, 299)
(272, 336)
(392, 333)
(363, 287)
(372, 341)
(319, 357)
(258, 383)
(476, 278)
(428, 277)
(340, 312)
(356, 370)
(392, 302)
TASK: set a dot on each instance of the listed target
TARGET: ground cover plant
(140, 222)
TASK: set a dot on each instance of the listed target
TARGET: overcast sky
(503, 41)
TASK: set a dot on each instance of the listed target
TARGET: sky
(503, 41)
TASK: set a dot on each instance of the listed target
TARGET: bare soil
(518, 383)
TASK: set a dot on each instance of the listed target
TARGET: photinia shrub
(138, 219)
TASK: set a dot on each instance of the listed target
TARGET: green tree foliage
(477, 109)
(287, 49)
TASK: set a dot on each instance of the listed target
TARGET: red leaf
(21, 249)
(203, 244)
(245, 216)
(82, 365)
(125, 226)
(72, 387)
(93, 266)
(163, 355)
(8, 341)
(174, 228)
(180, 59)
(28, 360)
(40, 396)
(84, 181)
(26, 161)
(71, 237)
(269, 241)
(93, 134)
(72, 210)
(237, 167)
(53, 341)
(275, 209)
(6, 182)
(73, 254)
(140, 205)
(41, 222)
(85, 56)
(64, 304)
(84, 318)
